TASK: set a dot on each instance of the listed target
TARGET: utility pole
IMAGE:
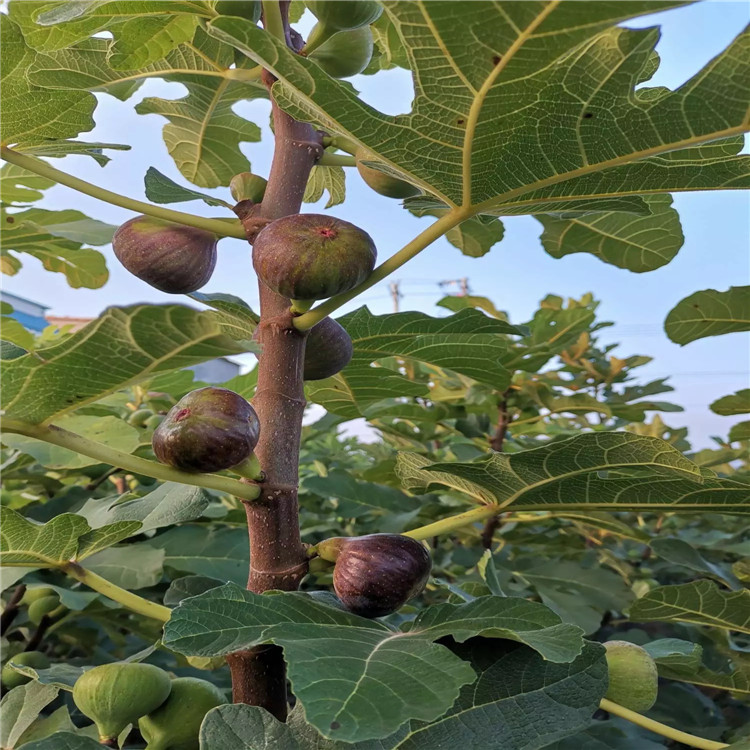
(395, 294)
(462, 284)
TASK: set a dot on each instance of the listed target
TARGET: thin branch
(128, 462)
(11, 608)
(36, 639)
(498, 439)
(659, 728)
(91, 486)
(229, 228)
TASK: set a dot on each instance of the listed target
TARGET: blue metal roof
(31, 322)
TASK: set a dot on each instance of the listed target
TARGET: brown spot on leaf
(588, 115)
(496, 59)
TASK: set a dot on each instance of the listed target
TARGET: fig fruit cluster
(168, 712)
(377, 574)
(633, 676)
(210, 429)
(170, 257)
(309, 257)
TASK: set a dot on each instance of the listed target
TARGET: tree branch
(127, 461)
(11, 608)
(229, 228)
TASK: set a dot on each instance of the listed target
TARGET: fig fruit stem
(250, 469)
(221, 228)
(659, 728)
(453, 218)
(132, 601)
(127, 461)
(336, 160)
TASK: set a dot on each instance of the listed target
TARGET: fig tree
(382, 183)
(115, 695)
(376, 574)
(35, 659)
(39, 592)
(633, 677)
(328, 350)
(176, 724)
(341, 15)
(247, 186)
(249, 9)
(309, 256)
(170, 257)
(345, 53)
(209, 429)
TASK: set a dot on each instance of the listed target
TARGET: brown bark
(503, 420)
(11, 608)
(277, 556)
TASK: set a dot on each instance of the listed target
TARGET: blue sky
(516, 274)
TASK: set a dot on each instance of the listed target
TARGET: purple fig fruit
(309, 256)
(377, 574)
(328, 350)
(170, 257)
(209, 429)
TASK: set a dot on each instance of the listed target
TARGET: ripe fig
(115, 695)
(209, 429)
(328, 350)
(35, 659)
(309, 256)
(42, 607)
(247, 186)
(342, 15)
(345, 53)
(170, 257)
(176, 724)
(633, 677)
(382, 183)
(377, 574)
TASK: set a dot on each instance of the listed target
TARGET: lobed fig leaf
(633, 676)
(10, 678)
(115, 695)
(328, 350)
(170, 257)
(309, 256)
(176, 724)
(382, 183)
(209, 429)
(375, 575)
(343, 15)
(345, 53)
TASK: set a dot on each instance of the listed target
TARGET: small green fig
(35, 659)
(342, 15)
(209, 429)
(39, 592)
(248, 9)
(139, 417)
(345, 53)
(170, 257)
(633, 677)
(115, 695)
(309, 256)
(153, 421)
(247, 186)
(382, 183)
(176, 724)
(328, 350)
(375, 575)
(42, 607)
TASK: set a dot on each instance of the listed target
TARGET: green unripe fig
(209, 429)
(170, 257)
(31, 595)
(345, 53)
(328, 350)
(139, 417)
(42, 607)
(309, 256)
(153, 422)
(249, 9)
(247, 186)
(115, 695)
(633, 677)
(382, 183)
(341, 15)
(176, 724)
(35, 659)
